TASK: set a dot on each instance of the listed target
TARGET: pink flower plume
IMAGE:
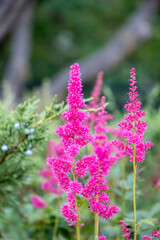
(37, 202)
(132, 125)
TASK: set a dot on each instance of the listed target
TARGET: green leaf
(155, 209)
(129, 220)
(145, 221)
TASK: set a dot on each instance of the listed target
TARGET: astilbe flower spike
(133, 126)
(95, 188)
(68, 169)
(94, 103)
(97, 89)
(106, 156)
(126, 231)
(73, 135)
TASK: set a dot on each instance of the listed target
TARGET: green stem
(96, 226)
(77, 209)
(55, 228)
(134, 193)
(123, 186)
(78, 222)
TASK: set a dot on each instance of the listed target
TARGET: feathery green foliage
(22, 132)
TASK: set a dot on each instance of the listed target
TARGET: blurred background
(39, 40)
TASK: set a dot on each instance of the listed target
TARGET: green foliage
(22, 132)
(145, 221)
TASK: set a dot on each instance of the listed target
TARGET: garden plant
(78, 177)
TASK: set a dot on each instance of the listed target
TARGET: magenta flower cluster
(102, 237)
(74, 135)
(84, 177)
(68, 170)
(105, 157)
(155, 234)
(132, 126)
(126, 230)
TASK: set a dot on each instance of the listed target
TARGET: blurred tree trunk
(136, 30)
(17, 70)
(16, 20)
(9, 12)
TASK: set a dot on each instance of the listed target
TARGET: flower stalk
(134, 128)
(134, 193)
(55, 228)
(96, 226)
(77, 208)
(123, 185)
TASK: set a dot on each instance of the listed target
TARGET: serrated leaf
(145, 221)
(129, 220)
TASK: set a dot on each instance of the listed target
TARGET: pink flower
(69, 213)
(126, 231)
(156, 233)
(45, 173)
(97, 89)
(94, 104)
(51, 148)
(49, 187)
(158, 184)
(73, 134)
(75, 187)
(102, 237)
(61, 168)
(37, 202)
(68, 169)
(132, 125)
(96, 186)
(83, 165)
(146, 237)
